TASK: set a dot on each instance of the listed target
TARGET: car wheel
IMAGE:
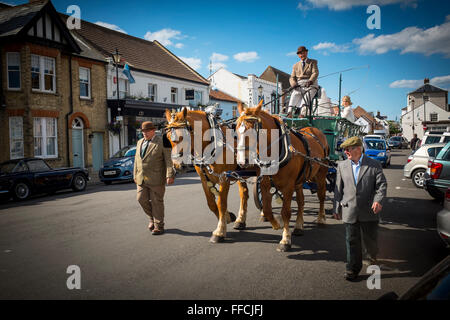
(107, 182)
(418, 178)
(22, 191)
(79, 182)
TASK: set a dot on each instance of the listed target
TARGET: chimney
(426, 80)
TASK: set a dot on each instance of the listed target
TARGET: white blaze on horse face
(181, 150)
(198, 139)
(244, 155)
(271, 163)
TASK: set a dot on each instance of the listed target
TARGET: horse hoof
(232, 217)
(239, 226)
(216, 239)
(283, 247)
(297, 232)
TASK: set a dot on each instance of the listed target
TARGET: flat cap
(147, 125)
(351, 142)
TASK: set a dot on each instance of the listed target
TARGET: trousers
(357, 234)
(301, 97)
(151, 199)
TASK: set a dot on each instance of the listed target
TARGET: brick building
(53, 90)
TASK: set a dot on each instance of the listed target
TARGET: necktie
(144, 148)
(303, 65)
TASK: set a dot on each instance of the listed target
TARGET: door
(77, 143)
(97, 151)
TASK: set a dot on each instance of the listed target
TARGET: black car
(23, 177)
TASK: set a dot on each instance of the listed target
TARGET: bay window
(16, 137)
(43, 73)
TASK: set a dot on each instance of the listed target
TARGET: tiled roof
(14, 18)
(427, 88)
(360, 112)
(219, 95)
(140, 54)
(270, 74)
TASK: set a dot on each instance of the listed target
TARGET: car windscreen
(375, 144)
(121, 153)
(131, 153)
(396, 138)
(8, 167)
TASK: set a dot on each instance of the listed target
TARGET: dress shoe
(350, 275)
(157, 232)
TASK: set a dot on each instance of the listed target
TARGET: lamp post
(411, 101)
(116, 59)
(425, 98)
(260, 90)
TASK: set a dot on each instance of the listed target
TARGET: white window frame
(174, 95)
(153, 97)
(42, 74)
(126, 92)
(84, 81)
(44, 137)
(15, 123)
(8, 54)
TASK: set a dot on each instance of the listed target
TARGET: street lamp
(260, 90)
(411, 101)
(425, 98)
(116, 58)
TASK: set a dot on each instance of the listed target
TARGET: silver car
(418, 162)
(443, 220)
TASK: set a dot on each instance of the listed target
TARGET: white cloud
(110, 26)
(194, 63)
(218, 57)
(179, 45)
(165, 37)
(339, 5)
(251, 56)
(331, 47)
(437, 81)
(291, 54)
(217, 65)
(411, 39)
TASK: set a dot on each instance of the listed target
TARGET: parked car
(417, 163)
(437, 176)
(23, 177)
(374, 136)
(119, 167)
(443, 220)
(378, 149)
(435, 137)
(398, 142)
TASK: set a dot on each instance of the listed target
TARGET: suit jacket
(311, 72)
(356, 200)
(156, 166)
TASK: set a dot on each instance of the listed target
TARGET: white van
(431, 137)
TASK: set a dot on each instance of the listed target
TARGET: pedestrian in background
(414, 142)
(359, 193)
(153, 168)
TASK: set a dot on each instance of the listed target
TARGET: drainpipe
(70, 111)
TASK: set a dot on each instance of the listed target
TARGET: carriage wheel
(257, 195)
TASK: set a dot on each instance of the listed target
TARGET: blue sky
(247, 36)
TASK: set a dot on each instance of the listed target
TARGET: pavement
(103, 232)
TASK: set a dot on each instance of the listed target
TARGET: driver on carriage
(304, 80)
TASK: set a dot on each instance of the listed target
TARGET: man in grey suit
(359, 193)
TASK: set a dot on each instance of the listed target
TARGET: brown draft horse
(190, 120)
(290, 177)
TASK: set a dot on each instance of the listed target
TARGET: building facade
(53, 102)
(251, 90)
